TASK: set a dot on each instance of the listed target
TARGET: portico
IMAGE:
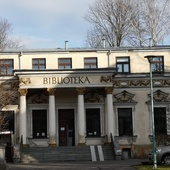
(84, 102)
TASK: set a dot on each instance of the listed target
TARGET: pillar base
(52, 145)
(25, 145)
(81, 144)
(107, 143)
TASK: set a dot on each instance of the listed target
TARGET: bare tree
(156, 17)
(9, 96)
(110, 19)
(129, 22)
(6, 40)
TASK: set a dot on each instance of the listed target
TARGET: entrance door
(66, 127)
(39, 123)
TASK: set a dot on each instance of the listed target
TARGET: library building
(85, 98)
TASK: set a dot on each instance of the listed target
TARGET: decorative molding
(158, 82)
(80, 91)
(93, 98)
(51, 91)
(167, 82)
(25, 81)
(135, 82)
(124, 96)
(38, 99)
(23, 92)
(106, 79)
(159, 96)
(109, 90)
(140, 83)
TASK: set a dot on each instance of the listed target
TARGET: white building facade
(74, 97)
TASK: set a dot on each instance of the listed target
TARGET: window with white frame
(125, 122)
(157, 64)
(90, 62)
(6, 67)
(93, 122)
(64, 63)
(123, 64)
(38, 63)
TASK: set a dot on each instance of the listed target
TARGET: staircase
(108, 152)
(58, 154)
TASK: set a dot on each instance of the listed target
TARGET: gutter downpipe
(108, 57)
(19, 59)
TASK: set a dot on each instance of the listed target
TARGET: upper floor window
(39, 63)
(64, 63)
(123, 64)
(157, 64)
(6, 66)
(90, 62)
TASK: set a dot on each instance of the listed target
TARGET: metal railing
(21, 145)
(116, 148)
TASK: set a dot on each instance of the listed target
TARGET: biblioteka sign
(64, 81)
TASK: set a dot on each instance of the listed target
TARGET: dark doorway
(66, 127)
(39, 123)
(93, 122)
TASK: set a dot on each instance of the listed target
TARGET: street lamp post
(151, 61)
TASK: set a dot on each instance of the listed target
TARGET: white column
(23, 115)
(81, 117)
(52, 118)
(110, 116)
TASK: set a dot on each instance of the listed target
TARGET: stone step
(56, 154)
(42, 154)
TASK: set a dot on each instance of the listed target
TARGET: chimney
(104, 43)
(150, 42)
(66, 45)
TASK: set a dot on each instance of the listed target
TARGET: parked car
(162, 155)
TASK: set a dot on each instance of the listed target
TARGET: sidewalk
(105, 165)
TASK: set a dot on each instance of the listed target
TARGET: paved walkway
(105, 165)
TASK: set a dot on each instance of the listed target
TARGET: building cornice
(63, 50)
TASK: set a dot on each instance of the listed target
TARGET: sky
(47, 23)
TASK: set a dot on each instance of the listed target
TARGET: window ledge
(128, 138)
(96, 137)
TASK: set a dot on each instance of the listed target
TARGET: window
(93, 122)
(125, 121)
(123, 64)
(160, 120)
(90, 62)
(64, 63)
(8, 123)
(158, 64)
(38, 63)
(6, 67)
(39, 123)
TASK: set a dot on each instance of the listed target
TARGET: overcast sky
(47, 23)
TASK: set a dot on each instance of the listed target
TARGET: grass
(149, 167)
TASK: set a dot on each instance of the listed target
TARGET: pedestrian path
(105, 165)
